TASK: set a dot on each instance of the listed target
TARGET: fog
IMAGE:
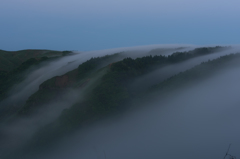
(21, 92)
(164, 73)
(195, 122)
(15, 134)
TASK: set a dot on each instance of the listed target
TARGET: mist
(196, 122)
(199, 121)
(20, 131)
(166, 72)
(21, 92)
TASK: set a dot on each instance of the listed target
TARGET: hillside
(10, 60)
(115, 80)
(19, 64)
(98, 90)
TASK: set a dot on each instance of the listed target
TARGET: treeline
(144, 63)
(93, 64)
(198, 73)
(112, 92)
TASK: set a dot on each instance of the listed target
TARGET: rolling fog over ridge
(63, 65)
(148, 80)
(186, 124)
(59, 67)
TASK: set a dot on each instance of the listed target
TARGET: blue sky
(92, 24)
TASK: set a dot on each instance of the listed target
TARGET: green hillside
(15, 64)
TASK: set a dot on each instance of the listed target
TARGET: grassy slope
(10, 60)
(13, 65)
(16, 75)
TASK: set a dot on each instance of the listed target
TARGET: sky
(86, 25)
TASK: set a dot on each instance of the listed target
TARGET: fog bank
(196, 122)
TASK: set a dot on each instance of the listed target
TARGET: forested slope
(102, 90)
